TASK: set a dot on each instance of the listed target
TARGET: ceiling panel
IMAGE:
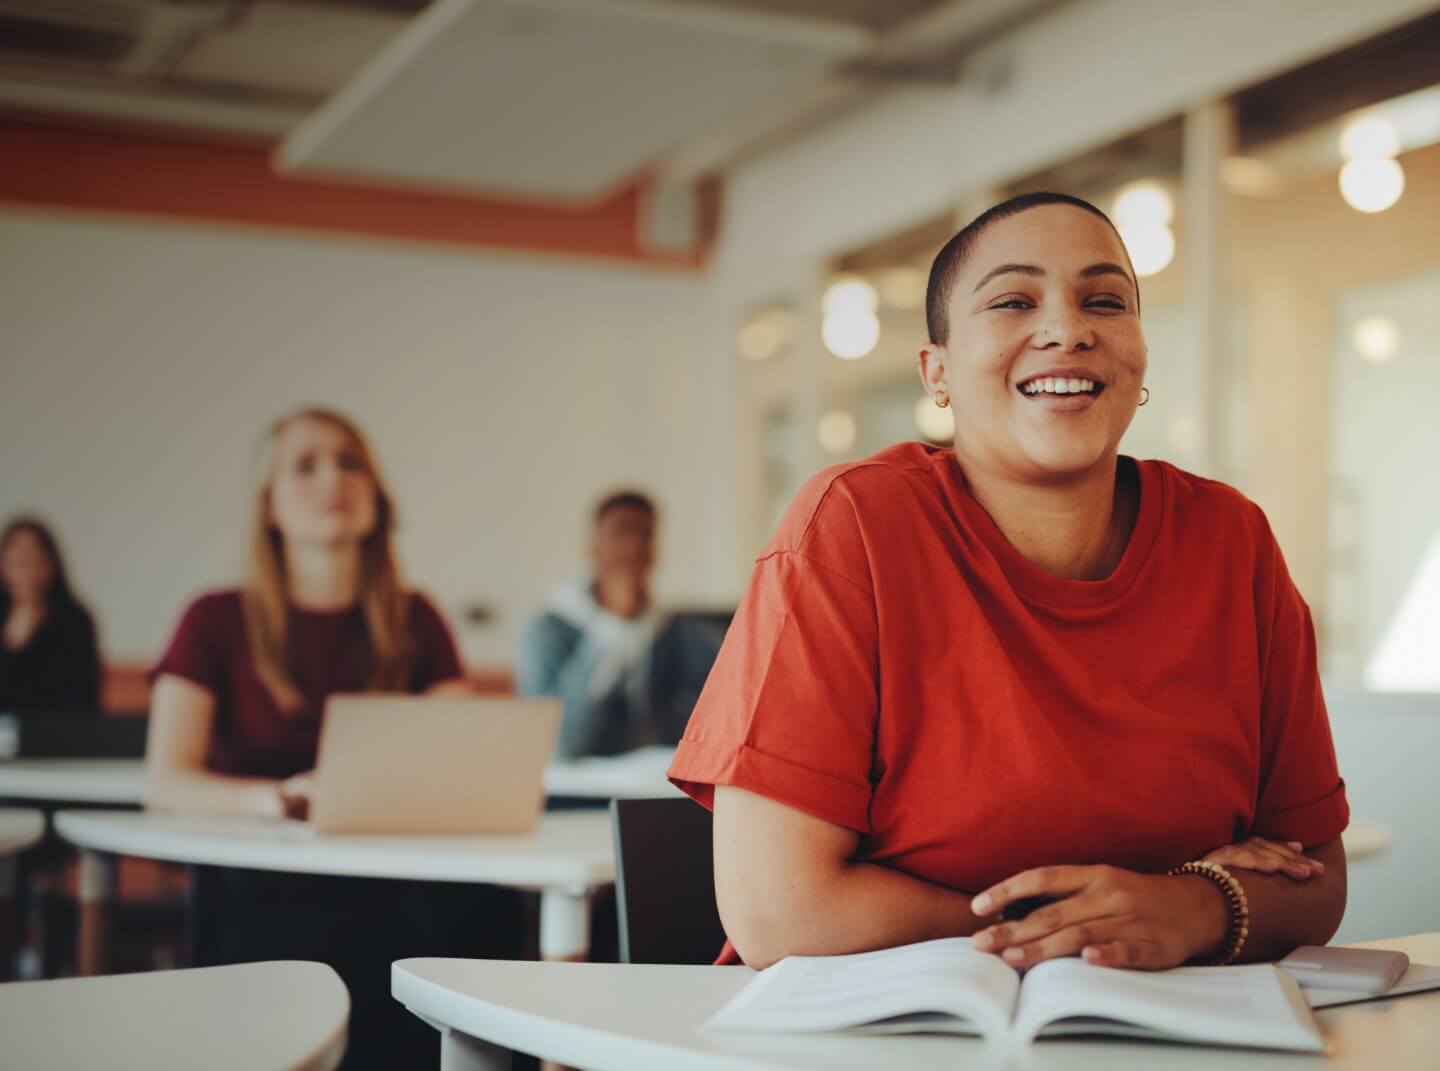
(289, 47)
(873, 14)
(560, 99)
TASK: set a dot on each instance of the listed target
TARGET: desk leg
(565, 924)
(461, 1052)
(8, 922)
(97, 887)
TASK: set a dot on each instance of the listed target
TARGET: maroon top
(252, 737)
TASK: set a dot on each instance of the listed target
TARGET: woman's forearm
(852, 908)
(865, 906)
(199, 792)
(786, 883)
(1285, 913)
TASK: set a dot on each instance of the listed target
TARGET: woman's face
(1046, 356)
(25, 568)
(321, 493)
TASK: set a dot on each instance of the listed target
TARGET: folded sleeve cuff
(699, 767)
(1310, 823)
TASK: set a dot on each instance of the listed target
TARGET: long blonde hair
(383, 600)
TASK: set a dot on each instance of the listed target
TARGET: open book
(947, 987)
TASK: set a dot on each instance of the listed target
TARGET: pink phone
(1356, 970)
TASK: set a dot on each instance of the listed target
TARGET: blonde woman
(235, 722)
(235, 717)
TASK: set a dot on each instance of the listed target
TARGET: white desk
(636, 773)
(113, 781)
(253, 1015)
(19, 828)
(564, 858)
(609, 1017)
(122, 781)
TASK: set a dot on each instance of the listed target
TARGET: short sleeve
(789, 710)
(436, 659)
(200, 647)
(1301, 794)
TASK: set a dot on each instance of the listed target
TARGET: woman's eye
(1107, 303)
(351, 463)
(1012, 303)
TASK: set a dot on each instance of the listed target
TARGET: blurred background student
(236, 715)
(49, 659)
(628, 674)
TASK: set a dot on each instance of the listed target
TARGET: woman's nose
(1065, 330)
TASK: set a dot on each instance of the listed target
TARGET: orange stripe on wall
(111, 171)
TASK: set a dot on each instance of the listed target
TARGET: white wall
(1387, 746)
(141, 361)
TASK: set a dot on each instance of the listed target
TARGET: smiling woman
(1025, 668)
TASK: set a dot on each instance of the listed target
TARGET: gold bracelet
(1238, 906)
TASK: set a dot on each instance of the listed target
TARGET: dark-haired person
(1025, 666)
(627, 674)
(235, 721)
(49, 658)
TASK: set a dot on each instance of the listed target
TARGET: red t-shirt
(252, 736)
(898, 668)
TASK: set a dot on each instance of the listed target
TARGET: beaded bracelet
(1239, 908)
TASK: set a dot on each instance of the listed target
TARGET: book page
(968, 991)
(1252, 1005)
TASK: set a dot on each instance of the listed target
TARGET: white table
(112, 781)
(564, 858)
(20, 827)
(608, 1017)
(122, 781)
(253, 1015)
(635, 773)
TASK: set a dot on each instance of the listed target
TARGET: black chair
(76, 736)
(665, 882)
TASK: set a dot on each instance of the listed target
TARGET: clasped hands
(1119, 918)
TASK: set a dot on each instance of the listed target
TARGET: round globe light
(1372, 184)
(836, 431)
(850, 335)
(935, 424)
(1151, 248)
(1369, 138)
(849, 293)
(1143, 204)
(1376, 338)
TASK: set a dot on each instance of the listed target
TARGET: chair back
(665, 881)
(72, 736)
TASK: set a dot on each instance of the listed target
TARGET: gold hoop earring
(942, 400)
(1144, 395)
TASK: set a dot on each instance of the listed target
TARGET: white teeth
(1051, 385)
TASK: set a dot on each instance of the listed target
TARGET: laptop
(416, 764)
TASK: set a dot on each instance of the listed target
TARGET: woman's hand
(1110, 916)
(1268, 857)
(295, 794)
